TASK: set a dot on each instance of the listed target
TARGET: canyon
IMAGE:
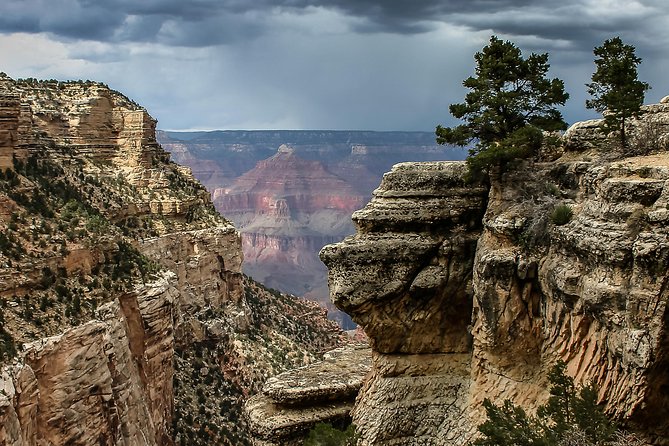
(470, 291)
(292, 192)
(126, 318)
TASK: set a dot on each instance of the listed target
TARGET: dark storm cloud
(399, 16)
(188, 23)
(105, 20)
(580, 23)
(373, 64)
(573, 22)
(212, 22)
(66, 18)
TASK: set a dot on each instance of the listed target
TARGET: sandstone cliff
(108, 381)
(120, 283)
(291, 403)
(468, 293)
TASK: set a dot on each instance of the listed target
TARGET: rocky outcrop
(207, 262)
(108, 381)
(417, 236)
(646, 133)
(405, 277)
(93, 350)
(293, 402)
(462, 305)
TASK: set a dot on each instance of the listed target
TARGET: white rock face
(108, 381)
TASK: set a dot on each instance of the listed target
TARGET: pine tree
(510, 103)
(509, 425)
(615, 86)
(568, 411)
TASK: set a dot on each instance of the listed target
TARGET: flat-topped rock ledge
(291, 403)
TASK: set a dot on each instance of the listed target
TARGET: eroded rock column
(405, 277)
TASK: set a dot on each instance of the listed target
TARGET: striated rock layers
(287, 209)
(122, 301)
(469, 294)
(291, 403)
(405, 277)
(107, 382)
(83, 173)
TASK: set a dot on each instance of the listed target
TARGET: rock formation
(287, 209)
(108, 381)
(289, 203)
(291, 403)
(468, 294)
(121, 293)
(405, 277)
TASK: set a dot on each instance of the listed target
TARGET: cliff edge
(469, 292)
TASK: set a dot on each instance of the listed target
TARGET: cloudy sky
(315, 64)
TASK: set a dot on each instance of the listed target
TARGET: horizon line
(290, 130)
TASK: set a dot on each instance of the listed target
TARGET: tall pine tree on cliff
(510, 103)
(615, 86)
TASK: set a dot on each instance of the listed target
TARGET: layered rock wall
(104, 375)
(469, 294)
(207, 262)
(406, 278)
(287, 208)
(106, 382)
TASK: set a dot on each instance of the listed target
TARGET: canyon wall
(122, 299)
(468, 293)
(287, 209)
(107, 382)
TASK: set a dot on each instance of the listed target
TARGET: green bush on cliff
(324, 434)
(570, 413)
(562, 214)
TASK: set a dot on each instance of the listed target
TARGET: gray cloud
(193, 23)
(76, 19)
(213, 22)
(366, 64)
